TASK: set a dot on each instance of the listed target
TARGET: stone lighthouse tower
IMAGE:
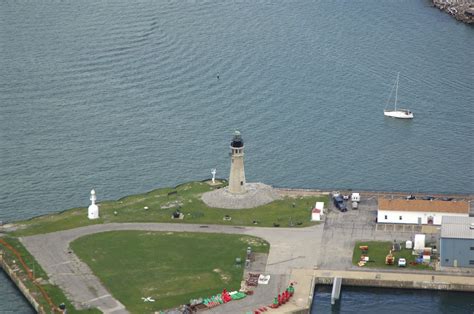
(237, 173)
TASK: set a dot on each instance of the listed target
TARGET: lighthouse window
(241, 182)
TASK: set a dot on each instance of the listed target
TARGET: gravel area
(256, 194)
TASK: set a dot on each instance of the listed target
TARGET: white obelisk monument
(237, 173)
(93, 211)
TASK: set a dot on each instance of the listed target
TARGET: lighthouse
(93, 210)
(237, 173)
(239, 193)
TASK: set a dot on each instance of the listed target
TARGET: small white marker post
(93, 210)
(213, 172)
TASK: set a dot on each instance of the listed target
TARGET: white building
(419, 211)
(317, 211)
(93, 210)
(316, 214)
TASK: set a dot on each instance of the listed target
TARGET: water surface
(124, 97)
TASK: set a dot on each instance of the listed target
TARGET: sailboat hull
(399, 114)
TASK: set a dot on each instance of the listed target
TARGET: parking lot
(343, 229)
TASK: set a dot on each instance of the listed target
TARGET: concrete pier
(336, 289)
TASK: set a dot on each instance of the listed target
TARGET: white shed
(419, 242)
(316, 214)
(317, 211)
(320, 206)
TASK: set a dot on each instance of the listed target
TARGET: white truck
(355, 199)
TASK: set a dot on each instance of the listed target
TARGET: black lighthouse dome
(237, 140)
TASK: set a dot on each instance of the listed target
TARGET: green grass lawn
(162, 203)
(377, 252)
(172, 268)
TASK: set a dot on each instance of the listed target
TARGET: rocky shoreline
(462, 10)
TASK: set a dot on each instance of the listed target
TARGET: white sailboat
(397, 112)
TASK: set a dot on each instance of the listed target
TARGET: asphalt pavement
(289, 248)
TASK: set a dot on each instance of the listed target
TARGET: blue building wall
(460, 250)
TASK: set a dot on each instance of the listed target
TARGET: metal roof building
(457, 227)
(457, 241)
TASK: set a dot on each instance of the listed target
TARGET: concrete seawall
(399, 280)
(365, 193)
(10, 271)
(307, 279)
(384, 283)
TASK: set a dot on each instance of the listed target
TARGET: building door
(455, 263)
(419, 220)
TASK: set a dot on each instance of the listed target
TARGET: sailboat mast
(396, 92)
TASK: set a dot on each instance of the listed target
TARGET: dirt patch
(253, 241)
(224, 277)
(172, 204)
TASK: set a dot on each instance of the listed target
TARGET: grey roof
(457, 227)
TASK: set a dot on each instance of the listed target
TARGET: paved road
(289, 249)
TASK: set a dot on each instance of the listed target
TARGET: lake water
(383, 300)
(125, 97)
